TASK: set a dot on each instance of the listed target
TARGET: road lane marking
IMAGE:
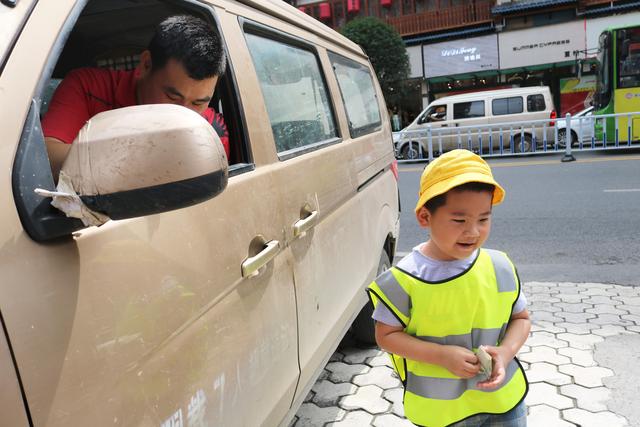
(539, 162)
(622, 190)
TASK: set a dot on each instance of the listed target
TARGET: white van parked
(486, 108)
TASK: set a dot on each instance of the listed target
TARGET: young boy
(450, 300)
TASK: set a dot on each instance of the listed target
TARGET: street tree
(387, 52)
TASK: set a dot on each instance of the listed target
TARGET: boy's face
(459, 227)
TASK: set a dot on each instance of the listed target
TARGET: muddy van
(467, 118)
(216, 287)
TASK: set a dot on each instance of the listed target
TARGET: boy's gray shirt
(432, 270)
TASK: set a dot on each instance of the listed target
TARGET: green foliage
(387, 52)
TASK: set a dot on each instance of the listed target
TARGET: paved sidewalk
(582, 361)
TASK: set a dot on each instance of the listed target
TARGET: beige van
(469, 118)
(214, 291)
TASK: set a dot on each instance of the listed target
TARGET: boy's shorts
(517, 417)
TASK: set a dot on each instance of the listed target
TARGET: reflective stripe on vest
(469, 310)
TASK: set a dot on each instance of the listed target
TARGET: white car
(582, 124)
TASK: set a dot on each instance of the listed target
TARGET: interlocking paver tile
(354, 419)
(581, 342)
(610, 330)
(380, 376)
(545, 416)
(569, 288)
(395, 396)
(368, 398)
(590, 399)
(589, 419)
(541, 393)
(328, 393)
(381, 359)
(311, 415)
(309, 396)
(589, 377)
(544, 354)
(611, 319)
(360, 355)
(545, 338)
(541, 297)
(576, 317)
(627, 300)
(600, 285)
(605, 309)
(632, 309)
(546, 372)
(578, 328)
(391, 420)
(600, 292)
(573, 307)
(336, 357)
(544, 306)
(599, 299)
(539, 316)
(633, 328)
(577, 298)
(578, 357)
(632, 317)
(541, 325)
(342, 373)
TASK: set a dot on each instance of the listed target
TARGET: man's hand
(498, 372)
(460, 361)
(57, 151)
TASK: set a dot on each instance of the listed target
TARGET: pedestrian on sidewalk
(450, 302)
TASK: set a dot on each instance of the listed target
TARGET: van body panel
(149, 320)
(11, 403)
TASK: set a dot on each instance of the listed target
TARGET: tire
(522, 146)
(363, 328)
(562, 137)
(410, 151)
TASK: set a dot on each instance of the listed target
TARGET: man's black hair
(192, 42)
(438, 201)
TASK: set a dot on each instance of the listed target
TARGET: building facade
(457, 46)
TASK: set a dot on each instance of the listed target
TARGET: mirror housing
(145, 160)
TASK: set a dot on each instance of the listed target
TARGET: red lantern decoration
(325, 11)
(385, 3)
(353, 5)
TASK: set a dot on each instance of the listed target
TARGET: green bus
(618, 83)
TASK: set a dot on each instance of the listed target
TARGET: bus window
(628, 58)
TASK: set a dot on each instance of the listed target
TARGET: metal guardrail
(588, 132)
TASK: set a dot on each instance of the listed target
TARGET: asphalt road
(575, 222)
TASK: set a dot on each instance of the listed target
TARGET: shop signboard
(541, 45)
(597, 25)
(461, 56)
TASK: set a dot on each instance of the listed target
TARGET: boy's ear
(424, 217)
(144, 66)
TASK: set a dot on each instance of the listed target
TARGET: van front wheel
(363, 327)
(410, 151)
(522, 145)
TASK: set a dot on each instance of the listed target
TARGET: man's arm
(57, 151)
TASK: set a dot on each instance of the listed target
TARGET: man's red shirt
(86, 92)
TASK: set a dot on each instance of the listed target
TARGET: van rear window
(502, 106)
(468, 110)
(358, 94)
(535, 103)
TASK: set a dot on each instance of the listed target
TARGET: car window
(535, 103)
(358, 94)
(468, 110)
(294, 92)
(435, 113)
(502, 106)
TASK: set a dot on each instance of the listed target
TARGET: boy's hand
(460, 361)
(498, 372)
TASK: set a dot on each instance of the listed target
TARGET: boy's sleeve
(386, 290)
(383, 315)
(520, 304)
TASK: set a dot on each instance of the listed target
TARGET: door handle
(444, 125)
(300, 227)
(251, 266)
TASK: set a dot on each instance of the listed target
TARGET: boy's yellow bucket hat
(452, 169)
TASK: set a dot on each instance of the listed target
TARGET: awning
(455, 33)
(527, 5)
(537, 67)
(464, 76)
(609, 9)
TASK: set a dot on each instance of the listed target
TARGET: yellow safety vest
(469, 310)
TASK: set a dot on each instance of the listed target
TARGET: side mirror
(144, 160)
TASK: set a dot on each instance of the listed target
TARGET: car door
(325, 218)
(155, 320)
